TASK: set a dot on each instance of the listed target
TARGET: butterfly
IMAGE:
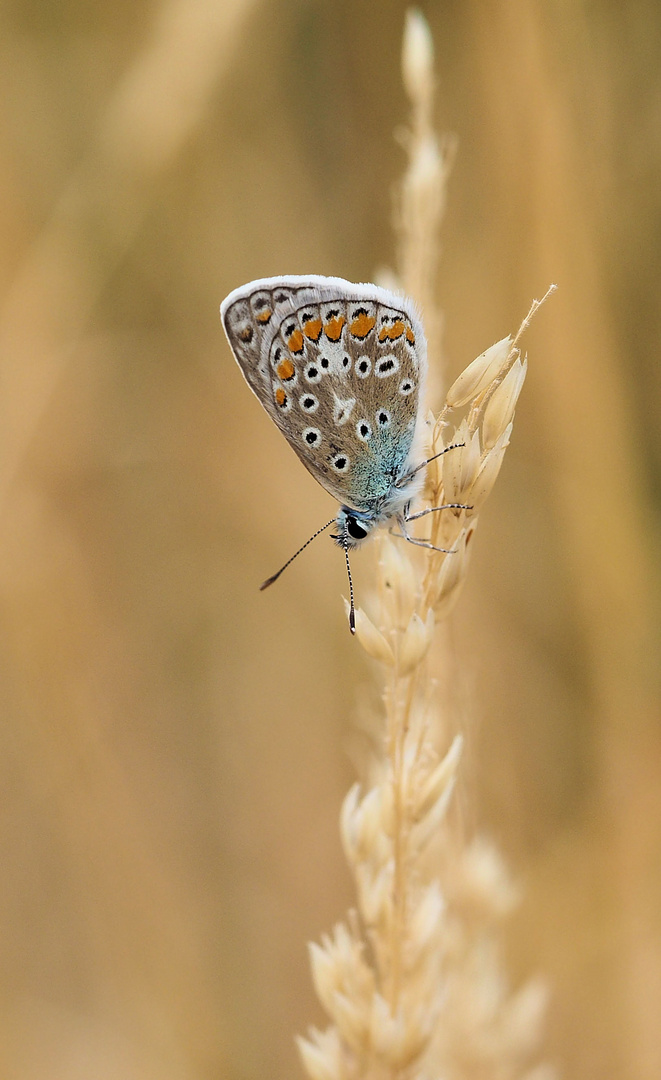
(340, 369)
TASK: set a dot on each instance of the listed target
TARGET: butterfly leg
(404, 535)
(399, 535)
(433, 509)
(403, 480)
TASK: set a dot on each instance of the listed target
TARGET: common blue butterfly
(340, 368)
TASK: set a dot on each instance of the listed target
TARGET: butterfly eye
(312, 436)
(308, 403)
(363, 430)
(406, 386)
(355, 529)
(340, 463)
(388, 365)
(363, 367)
(383, 418)
(312, 374)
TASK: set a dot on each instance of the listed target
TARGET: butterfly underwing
(340, 368)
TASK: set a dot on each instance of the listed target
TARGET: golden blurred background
(174, 742)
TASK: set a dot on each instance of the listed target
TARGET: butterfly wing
(340, 369)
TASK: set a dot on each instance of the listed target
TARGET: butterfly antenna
(423, 464)
(269, 581)
(352, 610)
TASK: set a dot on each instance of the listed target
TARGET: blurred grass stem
(153, 111)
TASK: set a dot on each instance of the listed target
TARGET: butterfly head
(353, 527)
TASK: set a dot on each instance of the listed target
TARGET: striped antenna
(269, 581)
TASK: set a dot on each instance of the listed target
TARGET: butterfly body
(340, 369)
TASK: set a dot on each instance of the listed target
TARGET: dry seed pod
(425, 921)
(397, 580)
(363, 824)
(322, 1054)
(479, 374)
(386, 1031)
(439, 778)
(349, 1018)
(375, 892)
(400, 1038)
(425, 829)
(489, 470)
(450, 463)
(415, 643)
(323, 974)
(339, 964)
(500, 407)
(372, 639)
(363, 820)
(461, 465)
(452, 569)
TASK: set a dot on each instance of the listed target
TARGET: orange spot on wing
(285, 369)
(312, 329)
(280, 396)
(391, 333)
(295, 342)
(362, 325)
(333, 328)
(264, 315)
(410, 336)
(396, 330)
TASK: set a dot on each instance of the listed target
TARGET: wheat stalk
(413, 981)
